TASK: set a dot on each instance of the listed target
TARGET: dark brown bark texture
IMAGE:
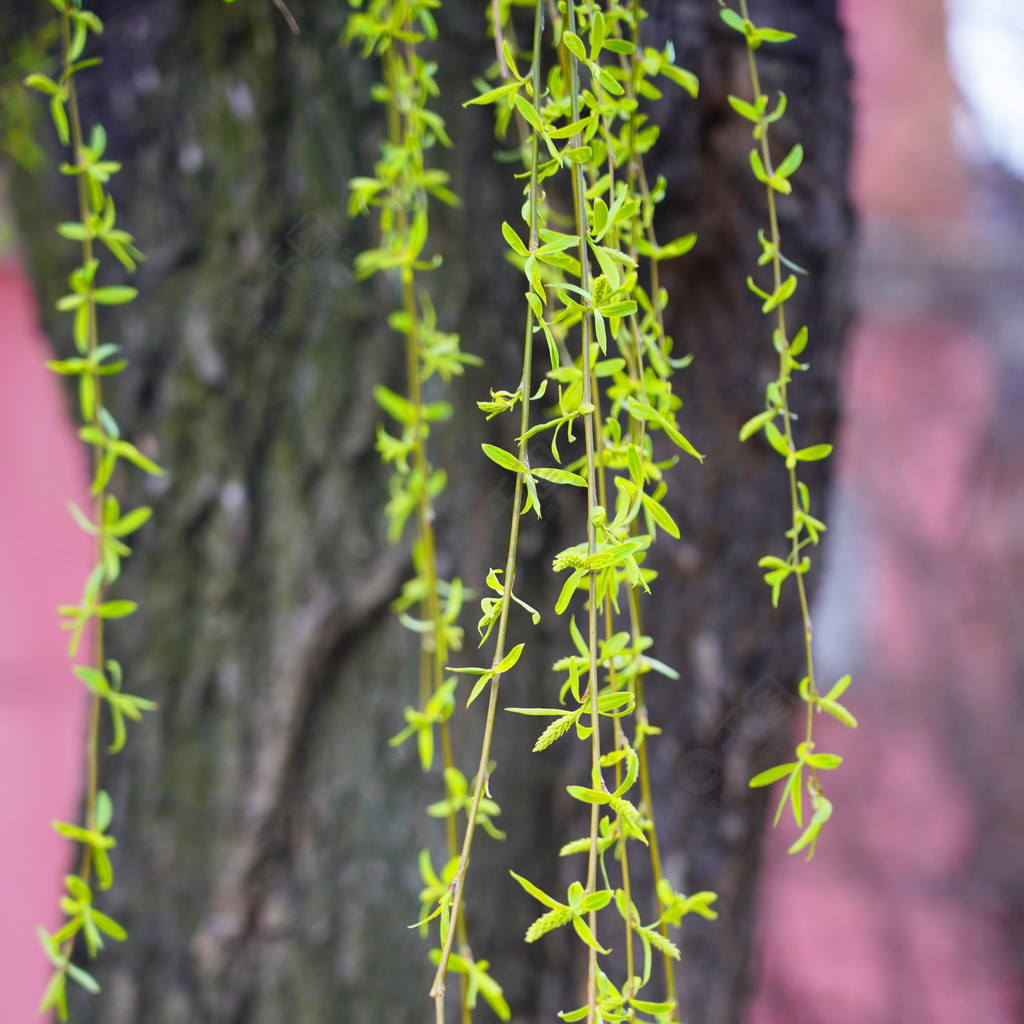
(266, 866)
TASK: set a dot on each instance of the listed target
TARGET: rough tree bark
(266, 863)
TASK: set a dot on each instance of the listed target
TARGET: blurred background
(913, 910)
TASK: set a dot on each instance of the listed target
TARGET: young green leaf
(504, 459)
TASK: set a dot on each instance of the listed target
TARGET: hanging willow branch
(108, 525)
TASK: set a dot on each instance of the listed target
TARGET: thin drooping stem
(580, 215)
(283, 8)
(96, 221)
(458, 883)
(784, 357)
(100, 494)
(636, 175)
(618, 735)
(433, 644)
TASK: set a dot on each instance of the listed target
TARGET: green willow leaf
(503, 458)
(766, 778)
(115, 295)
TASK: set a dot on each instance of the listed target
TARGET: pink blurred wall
(891, 923)
(44, 561)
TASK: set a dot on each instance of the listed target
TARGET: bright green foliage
(120, 705)
(611, 1004)
(84, 917)
(436, 893)
(459, 801)
(587, 276)
(97, 222)
(399, 193)
(776, 422)
(609, 419)
(495, 610)
(421, 724)
(479, 982)
(579, 904)
(19, 111)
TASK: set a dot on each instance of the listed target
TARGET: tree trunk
(267, 834)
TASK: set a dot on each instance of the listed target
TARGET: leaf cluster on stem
(776, 423)
(92, 362)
